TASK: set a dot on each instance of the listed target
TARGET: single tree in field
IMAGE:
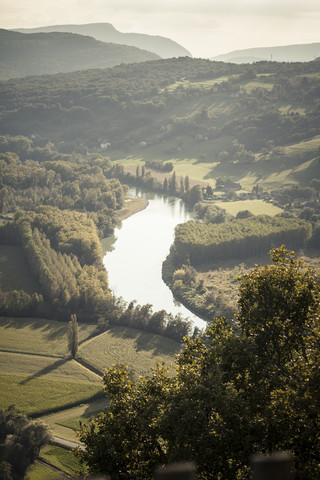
(73, 335)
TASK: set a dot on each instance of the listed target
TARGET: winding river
(133, 256)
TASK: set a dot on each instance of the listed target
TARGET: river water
(134, 254)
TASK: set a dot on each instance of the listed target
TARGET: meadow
(128, 346)
(38, 375)
(62, 462)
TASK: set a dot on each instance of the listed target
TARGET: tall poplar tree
(73, 335)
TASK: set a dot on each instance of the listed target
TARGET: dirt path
(67, 443)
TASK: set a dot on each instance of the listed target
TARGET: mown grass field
(134, 348)
(38, 376)
(38, 395)
(40, 336)
(65, 422)
(36, 366)
(256, 207)
(60, 458)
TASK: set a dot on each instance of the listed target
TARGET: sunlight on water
(141, 245)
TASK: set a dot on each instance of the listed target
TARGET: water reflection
(136, 251)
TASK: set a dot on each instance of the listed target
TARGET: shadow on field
(157, 344)
(45, 370)
(49, 327)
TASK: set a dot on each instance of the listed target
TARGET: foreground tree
(251, 387)
(20, 443)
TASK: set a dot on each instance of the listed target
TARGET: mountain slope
(288, 53)
(210, 119)
(42, 53)
(106, 32)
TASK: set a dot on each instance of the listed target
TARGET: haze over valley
(159, 238)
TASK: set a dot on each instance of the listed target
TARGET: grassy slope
(38, 336)
(37, 375)
(38, 395)
(60, 458)
(198, 158)
(139, 350)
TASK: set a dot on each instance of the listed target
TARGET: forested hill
(105, 32)
(248, 120)
(45, 53)
(287, 53)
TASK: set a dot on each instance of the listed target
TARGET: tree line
(204, 243)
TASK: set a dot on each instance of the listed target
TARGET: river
(133, 256)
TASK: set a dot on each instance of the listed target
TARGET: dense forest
(205, 243)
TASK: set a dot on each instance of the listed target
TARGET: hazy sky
(205, 27)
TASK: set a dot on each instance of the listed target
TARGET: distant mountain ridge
(288, 53)
(106, 32)
(45, 53)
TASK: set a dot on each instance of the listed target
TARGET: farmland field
(256, 207)
(59, 457)
(34, 335)
(39, 395)
(128, 346)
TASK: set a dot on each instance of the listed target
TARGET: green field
(60, 458)
(39, 395)
(139, 350)
(34, 335)
(256, 207)
(37, 374)
(65, 422)
(15, 273)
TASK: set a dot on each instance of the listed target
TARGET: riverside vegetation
(204, 124)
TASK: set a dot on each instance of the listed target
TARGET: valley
(234, 148)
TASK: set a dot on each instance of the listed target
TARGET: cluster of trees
(243, 389)
(159, 165)
(20, 443)
(30, 177)
(211, 213)
(144, 318)
(204, 243)
(193, 293)
(64, 252)
(237, 154)
(145, 179)
(20, 303)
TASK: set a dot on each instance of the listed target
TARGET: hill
(105, 32)
(42, 53)
(211, 119)
(287, 53)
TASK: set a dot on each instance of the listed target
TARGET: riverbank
(131, 206)
(196, 291)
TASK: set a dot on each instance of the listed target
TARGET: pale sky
(205, 27)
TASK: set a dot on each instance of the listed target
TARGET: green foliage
(239, 390)
(20, 441)
(240, 238)
(48, 237)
